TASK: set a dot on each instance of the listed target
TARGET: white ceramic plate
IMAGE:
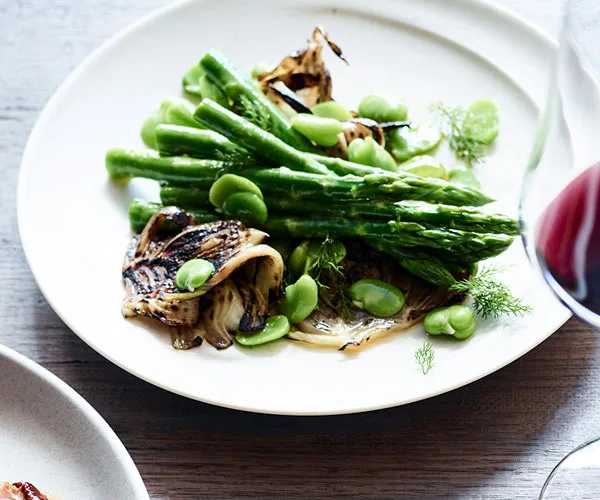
(74, 226)
(51, 437)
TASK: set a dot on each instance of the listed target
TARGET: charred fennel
(141, 211)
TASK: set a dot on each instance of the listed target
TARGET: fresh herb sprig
(424, 357)
(491, 297)
(452, 120)
(328, 258)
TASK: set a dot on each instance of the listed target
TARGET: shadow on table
(444, 447)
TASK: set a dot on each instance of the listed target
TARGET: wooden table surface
(495, 439)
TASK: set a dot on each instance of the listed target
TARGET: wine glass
(560, 206)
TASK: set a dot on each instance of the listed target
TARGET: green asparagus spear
(186, 198)
(141, 211)
(194, 142)
(474, 221)
(417, 261)
(465, 218)
(344, 167)
(245, 95)
(452, 246)
(270, 149)
(261, 143)
(123, 164)
(284, 182)
(175, 140)
(197, 144)
(447, 239)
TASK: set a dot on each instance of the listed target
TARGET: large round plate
(74, 227)
(51, 437)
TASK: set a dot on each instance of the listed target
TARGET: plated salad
(285, 214)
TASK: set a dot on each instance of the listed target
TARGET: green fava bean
(306, 254)
(367, 152)
(191, 81)
(464, 176)
(158, 117)
(275, 328)
(457, 321)
(247, 207)
(229, 184)
(399, 113)
(375, 108)
(301, 299)
(299, 261)
(384, 160)
(149, 128)
(425, 166)
(332, 109)
(193, 274)
(323, 131)
(260, 68)
(481, 121)
(362, 151)
(418, 140)
(376, 297)
(179, 112)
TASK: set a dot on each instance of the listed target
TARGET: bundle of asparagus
(308, 195)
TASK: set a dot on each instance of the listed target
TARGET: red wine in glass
(568, 243)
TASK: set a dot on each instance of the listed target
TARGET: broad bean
(332, 109)
(376, 297)
(367, 152)
(322, 131)
(193, 274)
(301, 299)
(275, 328)
(425, 166)
(417, 140)
(481, 121)
(229, 184)
(456, 321)
(247, 207)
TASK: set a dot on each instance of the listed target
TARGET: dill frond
(466, 149)
(424, 357)
(491, 298)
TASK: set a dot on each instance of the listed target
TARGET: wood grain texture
(495, 439)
